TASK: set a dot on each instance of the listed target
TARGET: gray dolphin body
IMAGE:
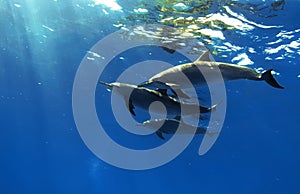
(143, 97)
(172, 76)
(169, 126)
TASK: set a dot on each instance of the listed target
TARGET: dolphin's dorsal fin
(205, 56)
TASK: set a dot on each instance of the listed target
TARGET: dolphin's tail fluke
(268, 77)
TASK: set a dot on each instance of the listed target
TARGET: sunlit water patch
(214, 23)
(231, 29)
(286, 41)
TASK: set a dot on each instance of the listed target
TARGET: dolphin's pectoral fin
(166, 86)
(130, 106)
(159, 134)
(268, 77)
(180, 93)
(205, 56)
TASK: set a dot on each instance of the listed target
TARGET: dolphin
(169, 126)
(171, 78)
(142, 97)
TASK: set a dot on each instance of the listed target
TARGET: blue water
(41, 46)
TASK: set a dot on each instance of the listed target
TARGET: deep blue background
(42, 152)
